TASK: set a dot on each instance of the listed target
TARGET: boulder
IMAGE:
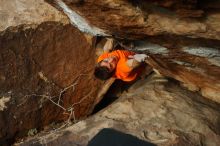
(17, 12)
(156, 110)
(139, 18)
(197, 66)
(185, 35)
(47, 65)
(46, 70)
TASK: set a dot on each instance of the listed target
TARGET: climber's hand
(109, 45)
(139, 57)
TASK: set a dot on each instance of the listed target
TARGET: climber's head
(105, 68)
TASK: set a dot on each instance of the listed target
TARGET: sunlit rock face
(187, 32)
(16, 12)
(46, 69)
(154, 109)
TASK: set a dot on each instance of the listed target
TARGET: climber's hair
(102, 72)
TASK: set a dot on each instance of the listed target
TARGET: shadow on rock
(110, 137)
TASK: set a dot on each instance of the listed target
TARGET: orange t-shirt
(122, 71)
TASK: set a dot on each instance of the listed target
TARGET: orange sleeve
(118, 53)
(106, 55)
(125, 53)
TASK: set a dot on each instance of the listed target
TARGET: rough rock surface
(189, 33)
(37, 65)
(196, 66)
(46, 69)
(156, 109)
(16, 12)
(139, 18)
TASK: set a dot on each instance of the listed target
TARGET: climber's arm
(109, 45)
(132, 63)
(136, 60)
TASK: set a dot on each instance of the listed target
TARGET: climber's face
(110, 63)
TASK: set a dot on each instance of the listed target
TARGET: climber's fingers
(130, 57)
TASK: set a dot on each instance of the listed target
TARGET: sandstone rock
(16, 12)
(197, 67)
(46, 69)
(156, 110)
(40, 60)
(189, 49)
(138, 19)
(37, 65)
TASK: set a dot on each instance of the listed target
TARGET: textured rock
(45, 73)
(41, 59)
(38, 63)
(188, 31)
(16, 12)
(138, 19)
(197, 67)
(156, 110)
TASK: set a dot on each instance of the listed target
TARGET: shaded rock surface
(39, 66)
(156, 109)
(197, 66)
(46, 69)
(138, 19)
(187, 34)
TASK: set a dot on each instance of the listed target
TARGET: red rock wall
(44, 60)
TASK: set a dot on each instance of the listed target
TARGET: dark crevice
(112, 94)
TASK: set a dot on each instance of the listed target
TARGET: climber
(120, 64)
